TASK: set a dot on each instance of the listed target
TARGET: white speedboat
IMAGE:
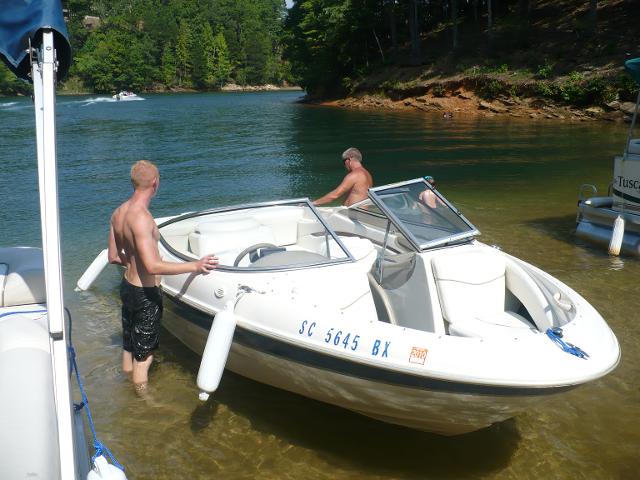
(41, 430)
(125, 95)
(388, 308)
(614, 219)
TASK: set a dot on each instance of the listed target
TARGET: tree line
(331, 43)
(157, 44)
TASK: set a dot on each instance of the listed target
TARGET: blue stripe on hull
(301, 355)
(626, 196)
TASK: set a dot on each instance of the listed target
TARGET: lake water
(516, 180)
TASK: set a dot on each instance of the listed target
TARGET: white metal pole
(43, 71)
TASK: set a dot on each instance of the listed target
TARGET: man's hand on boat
(206, 264)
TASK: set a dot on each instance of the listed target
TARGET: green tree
(168, 65)
(183, 52)
(222, 64)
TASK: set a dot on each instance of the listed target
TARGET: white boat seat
(384, 307)
(228, 235)
(21, 276)
(358, 247)
(472, 288)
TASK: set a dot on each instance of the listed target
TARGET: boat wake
(13, 106)
(92, 101)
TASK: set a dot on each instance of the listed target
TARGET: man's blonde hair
(143, 173)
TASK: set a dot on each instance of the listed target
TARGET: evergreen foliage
(339, 46)
(155, 44)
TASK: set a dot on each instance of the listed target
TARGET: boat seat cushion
(471, 284)
(22, 277)
(232, 235)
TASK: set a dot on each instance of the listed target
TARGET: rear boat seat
(21, 276)
(472, 288)
(359, 247)
(228, 237)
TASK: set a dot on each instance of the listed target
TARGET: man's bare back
(361, 182)
(133, 243)
(126, 220)
(355, 185)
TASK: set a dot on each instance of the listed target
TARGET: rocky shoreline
(463, 102)
(232, 87)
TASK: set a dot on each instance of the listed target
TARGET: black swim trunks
(141, 314)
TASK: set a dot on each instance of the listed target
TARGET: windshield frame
(399, 224)
(349, 258)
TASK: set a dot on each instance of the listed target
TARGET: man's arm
(339, 191)
(147, 251)
(114, 251)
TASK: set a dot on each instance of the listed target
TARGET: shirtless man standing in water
(133, 243)
(355, 184)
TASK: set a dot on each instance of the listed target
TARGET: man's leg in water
(127, 363)
(141, 373)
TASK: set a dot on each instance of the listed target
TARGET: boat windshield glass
(422, 214)
(271, 236)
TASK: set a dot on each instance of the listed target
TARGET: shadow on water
(344, 438)
(562, 228)
(203, 414)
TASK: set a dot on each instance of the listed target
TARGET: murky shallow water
(515, 180)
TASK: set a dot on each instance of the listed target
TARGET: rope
(98, 446)
(566, 346)
(18, 312)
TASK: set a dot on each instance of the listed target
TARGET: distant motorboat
(125, 95)
(615, 218)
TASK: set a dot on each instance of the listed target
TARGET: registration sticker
(418, 355)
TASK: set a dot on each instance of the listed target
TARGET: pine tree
(223, 65)
(183, 53)
(168, 63)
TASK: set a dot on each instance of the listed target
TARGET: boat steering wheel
(251, 249)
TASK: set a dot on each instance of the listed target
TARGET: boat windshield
(265, 236)
(422, 214)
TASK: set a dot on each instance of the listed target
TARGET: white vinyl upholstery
(525, 290)
(22, 277)
(472, 286)
(222, 235)
(282, 221)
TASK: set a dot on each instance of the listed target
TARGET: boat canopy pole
(633, 123)
(43, 70)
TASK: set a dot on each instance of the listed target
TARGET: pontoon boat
(41, 430)
(614, 219)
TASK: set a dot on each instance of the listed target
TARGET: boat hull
(421, 403)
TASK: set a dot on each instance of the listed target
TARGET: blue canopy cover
(23, 20)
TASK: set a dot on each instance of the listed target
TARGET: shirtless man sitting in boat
(356, 183)
(133, 243)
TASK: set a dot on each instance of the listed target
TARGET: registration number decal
(418, 355)
(345, 339)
